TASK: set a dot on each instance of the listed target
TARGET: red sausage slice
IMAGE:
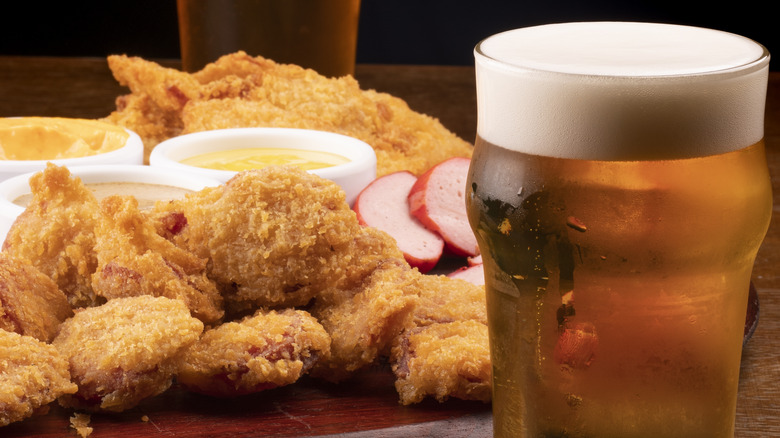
(383, 204)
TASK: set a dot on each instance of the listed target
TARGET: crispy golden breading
(238, 90)
(30, 302)
(168, 89)
(264, 351)
(134, 260)
(443, 360)
(365, 320)
(444, 299)
(124, 351)
(276, 237)
(32, 375)
(56, 233)
(443, 349)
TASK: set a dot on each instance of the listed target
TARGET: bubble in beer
(620, 91)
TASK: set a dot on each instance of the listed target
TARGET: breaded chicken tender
(264, 351)
(276, 237)
(32, 375)
(238, 90)
(30, 302)
(124, 351)
(443, 360)
(56, 233)
(133, 259)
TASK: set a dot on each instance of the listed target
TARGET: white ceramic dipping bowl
(131, 153)
(352, 176)
(12, 188)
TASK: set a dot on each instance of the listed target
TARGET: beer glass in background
(619, 193)
(316, 34)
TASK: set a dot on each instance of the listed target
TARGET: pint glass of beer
(619, 193)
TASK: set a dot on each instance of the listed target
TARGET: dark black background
(390, 31)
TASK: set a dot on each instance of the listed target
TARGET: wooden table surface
(367, 405)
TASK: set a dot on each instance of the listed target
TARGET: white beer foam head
(620, 91)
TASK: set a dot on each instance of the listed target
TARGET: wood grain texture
(367, 405)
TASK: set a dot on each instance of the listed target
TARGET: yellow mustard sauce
(256, 158)
(51, 138)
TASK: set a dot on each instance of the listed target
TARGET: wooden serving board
(366, 406)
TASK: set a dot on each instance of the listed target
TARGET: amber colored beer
(617, 290)
(618, 249)
(316, 34)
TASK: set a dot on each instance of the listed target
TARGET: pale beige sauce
(146, 194)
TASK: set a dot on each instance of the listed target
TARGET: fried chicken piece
(125, 351)
(238, 90)
(264, 351)
(395, 302)
(365, 319)
(169, 89)
(32, 375)
(275, 237)
(134, 260)
(443, 348)
(55, 233)
(436, 326)
(30, 302)
(443, 360)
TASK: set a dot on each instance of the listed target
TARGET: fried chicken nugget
(276, 237)
(124, 351)
(443, 348)
(377, 318)
(238, 90)
(365, 320)
(264, 351)
(55, 233)
(443, 360)
(133, 259)
(30, 302)
(32, 375)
